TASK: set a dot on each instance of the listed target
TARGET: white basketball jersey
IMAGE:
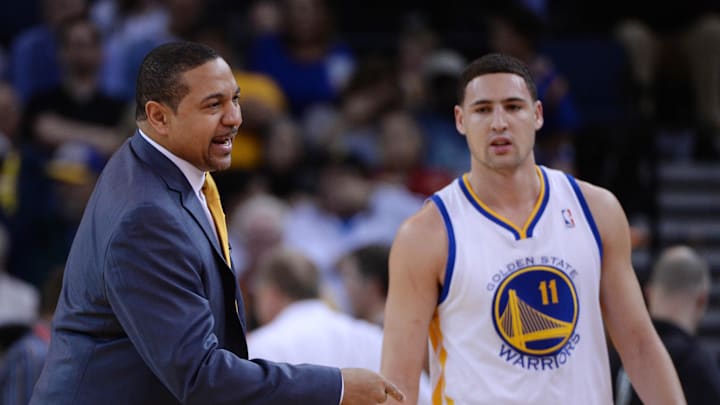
(518, 319)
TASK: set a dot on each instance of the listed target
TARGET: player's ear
(539, 119)
(459, 119)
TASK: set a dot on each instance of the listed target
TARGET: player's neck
(506, 188)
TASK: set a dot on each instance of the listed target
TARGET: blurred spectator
(288, 304)
(675, 54)
(349, 211)
(175, 21)
(306, 57)
(680, 45)
(677, 296)
(10, 113)
(372, 89)
(401, 148)
(365, 276)
(517, 32)
(125, 19)
(77, 110)
(255, 228)
(415, 45)
(18, 305)
(74, 169)
(24, 188)
(25, 359)
(285, 171)
(18, 300)
(264, 17)
(122, 24)
(262, 103)
(34, 64)
(445, 147)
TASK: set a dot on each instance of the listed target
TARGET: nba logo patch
(568, 218)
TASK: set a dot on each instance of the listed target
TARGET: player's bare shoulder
(422, 241)
(605, 207)
(427, 222)
(597, 196)
(425, 229)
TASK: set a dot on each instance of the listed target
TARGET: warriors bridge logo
(535, 310)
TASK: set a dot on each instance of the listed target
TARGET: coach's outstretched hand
(364, 387)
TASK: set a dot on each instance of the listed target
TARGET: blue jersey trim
(586, 211)
(543, 204)
(450, 265)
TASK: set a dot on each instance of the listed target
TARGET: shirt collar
(194, 176)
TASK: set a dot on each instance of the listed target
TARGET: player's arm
(643, 355)
(417, 262)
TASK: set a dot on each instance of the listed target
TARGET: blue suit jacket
(147, 312)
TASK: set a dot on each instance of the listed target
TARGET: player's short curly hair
(495, 63)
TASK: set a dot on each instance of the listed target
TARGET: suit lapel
(177, 182)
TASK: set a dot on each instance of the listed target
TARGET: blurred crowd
(347, 119)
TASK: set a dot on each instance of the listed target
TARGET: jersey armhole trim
(450, 265)
(586, 211)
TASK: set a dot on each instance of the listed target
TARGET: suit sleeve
(154, 286)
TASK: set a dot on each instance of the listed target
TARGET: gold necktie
(212, 197)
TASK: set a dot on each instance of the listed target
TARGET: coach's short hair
(160, 78)
(495, 63)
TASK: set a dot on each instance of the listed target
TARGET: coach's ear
(158, 117)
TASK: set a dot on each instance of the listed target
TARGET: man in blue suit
(150, 311)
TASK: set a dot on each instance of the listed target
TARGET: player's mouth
(501, 145)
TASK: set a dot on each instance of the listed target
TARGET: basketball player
(513, 269)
